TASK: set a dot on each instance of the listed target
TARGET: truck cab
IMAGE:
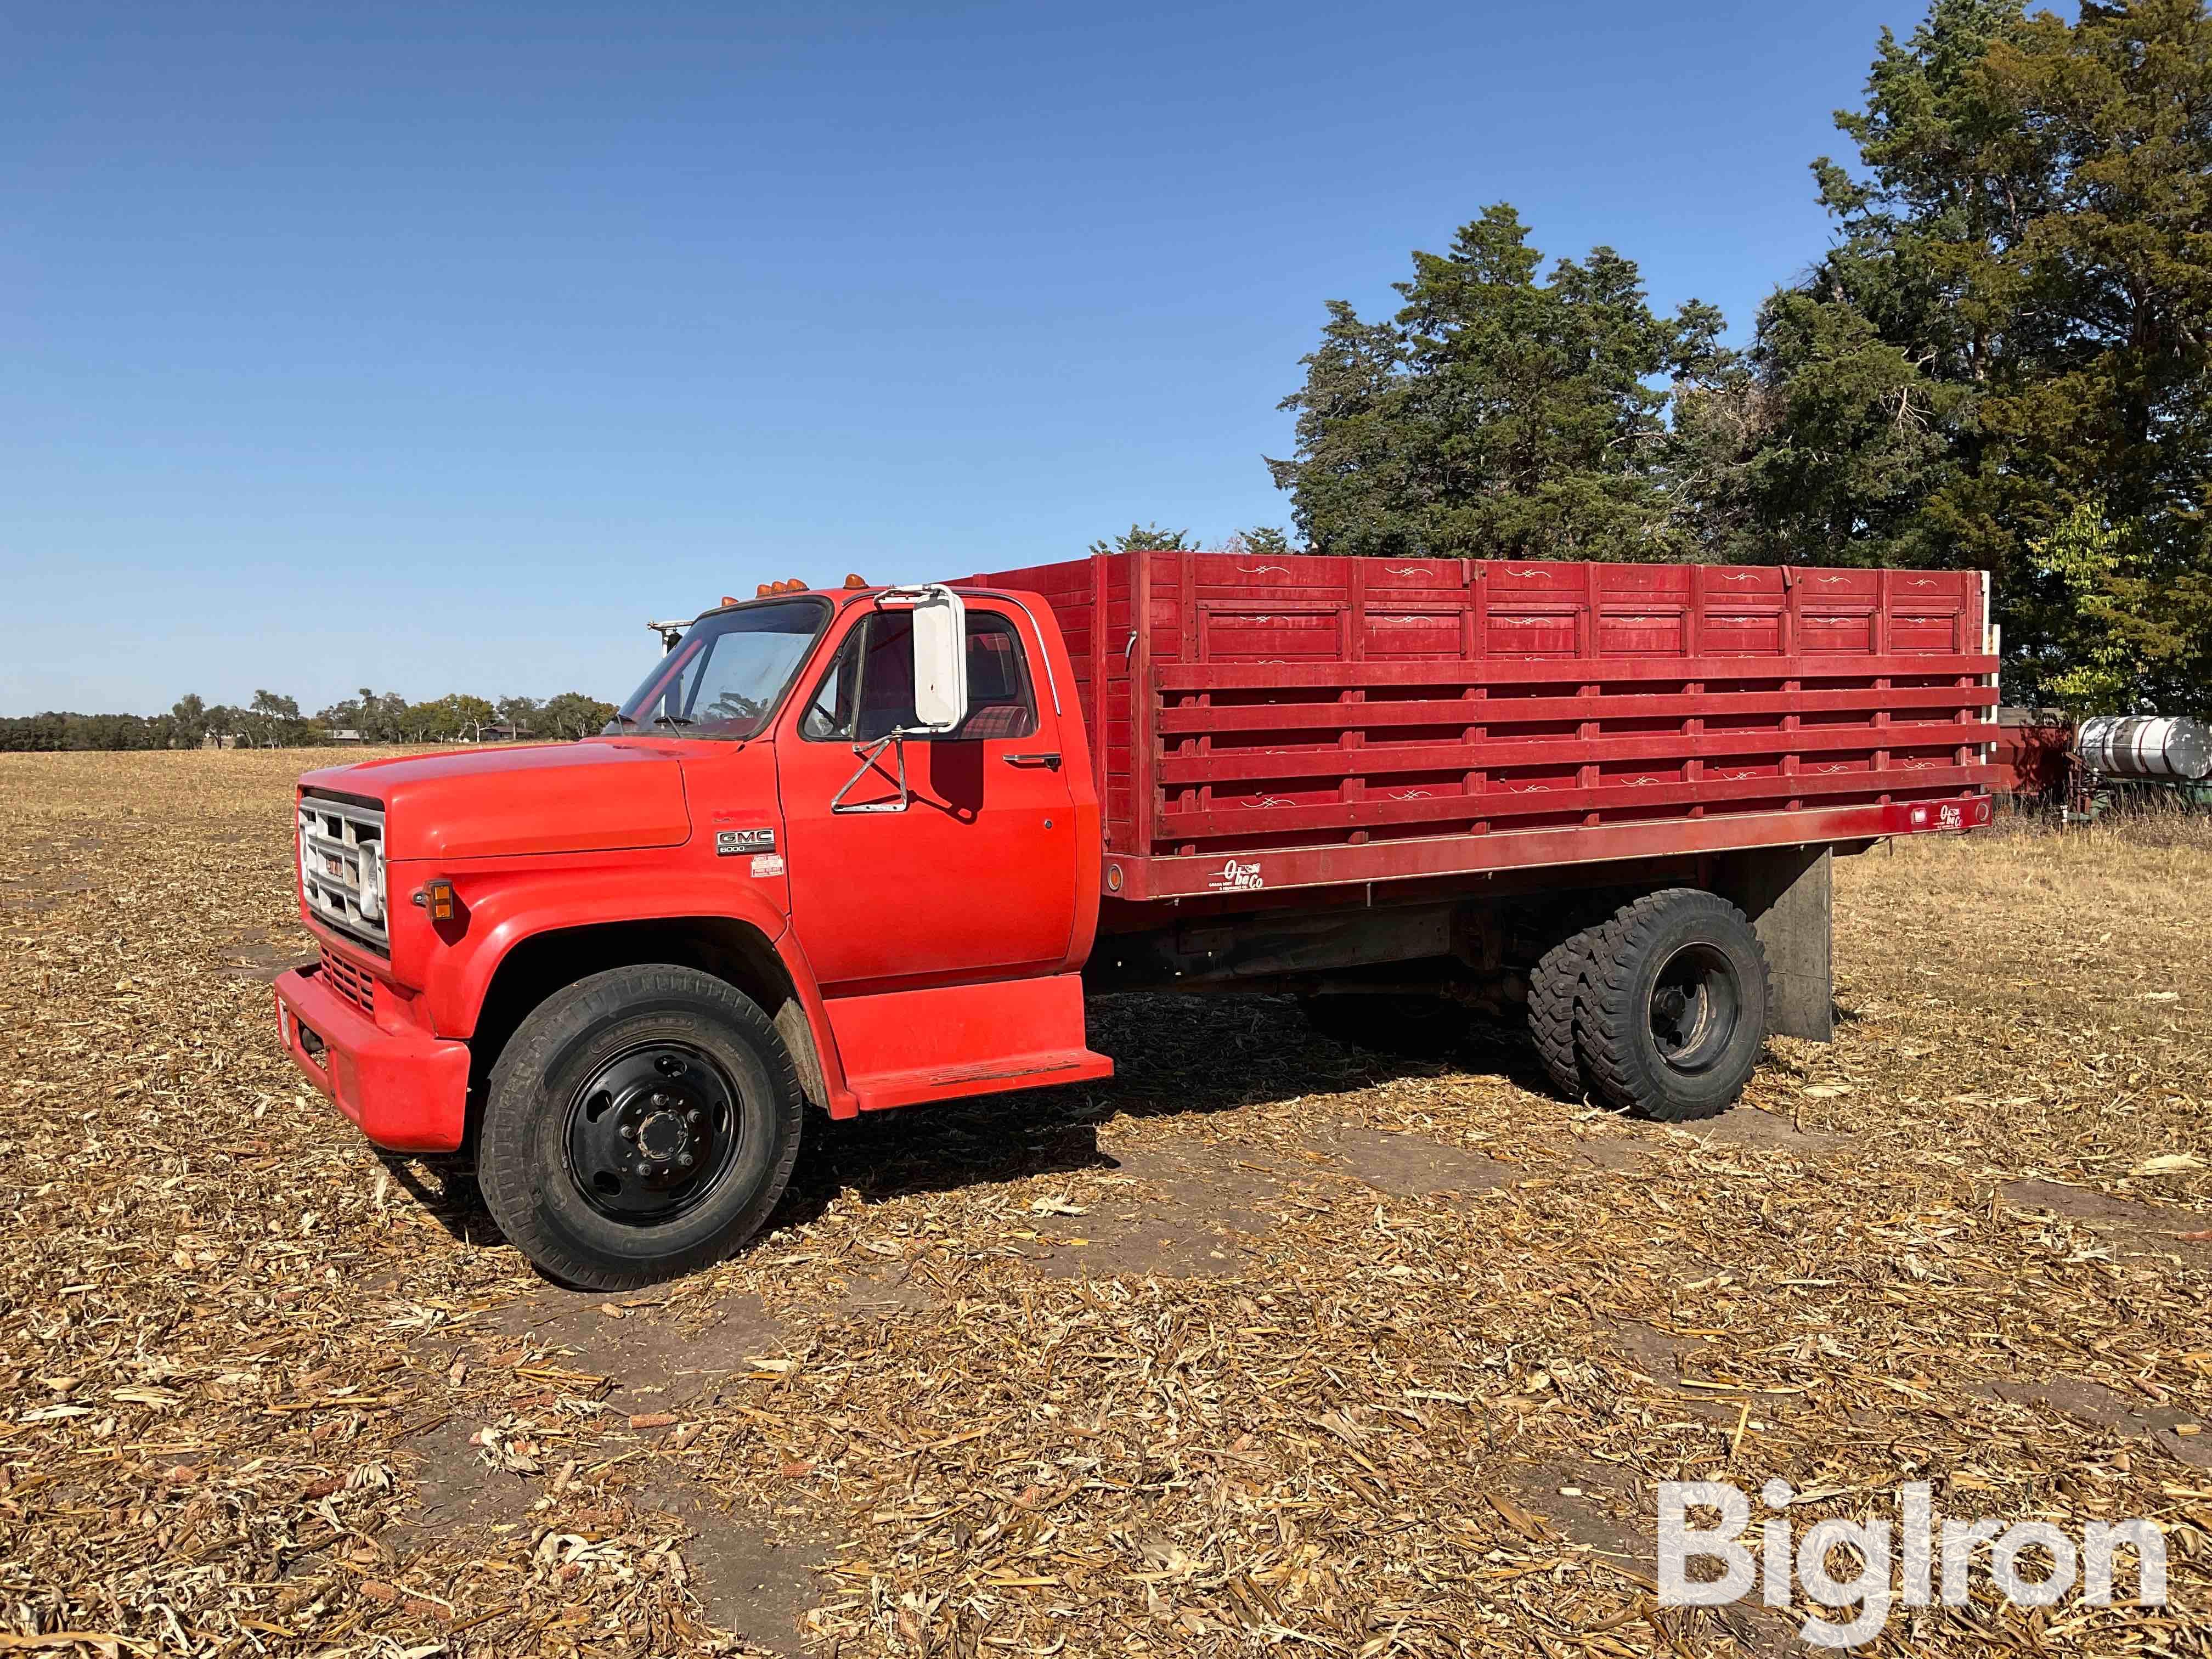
(838, 849)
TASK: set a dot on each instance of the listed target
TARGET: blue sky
(438, 348)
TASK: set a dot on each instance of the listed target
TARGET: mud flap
(1788, 893)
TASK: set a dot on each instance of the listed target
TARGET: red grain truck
(871, 847)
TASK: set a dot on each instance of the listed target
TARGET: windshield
(729, 673)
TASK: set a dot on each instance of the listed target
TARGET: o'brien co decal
(730, 843)
(767, 863)
(1235, 878)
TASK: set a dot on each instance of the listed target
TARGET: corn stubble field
(1268, 1344)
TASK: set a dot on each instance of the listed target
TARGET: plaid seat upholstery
(998, 720)
(998, 696)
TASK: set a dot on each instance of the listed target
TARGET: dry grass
(1267, 1343)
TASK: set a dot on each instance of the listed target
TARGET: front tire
(640, 1123)
(1672, 1013)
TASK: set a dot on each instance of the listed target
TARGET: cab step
(908, 1048)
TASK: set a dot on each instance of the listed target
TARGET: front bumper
(408, 1092)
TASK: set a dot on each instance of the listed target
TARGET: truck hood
(590, 797)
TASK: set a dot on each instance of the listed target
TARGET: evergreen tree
(1145, 538)
(1262, 541)
(2006, 361)
(1497, 415)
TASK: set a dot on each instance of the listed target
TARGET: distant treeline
(56, 729)
(273, 721)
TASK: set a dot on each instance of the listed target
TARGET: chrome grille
(342, 866)
(349, 982)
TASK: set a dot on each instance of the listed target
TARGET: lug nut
(643, 1169)
(629, 1132)
(695, 1117)
(683, 1160)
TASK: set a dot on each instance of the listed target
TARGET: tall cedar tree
(1144, 538)
(1497, 415)
(2002, 363)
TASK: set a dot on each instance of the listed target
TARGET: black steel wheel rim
(651, 1131)
(1694, 1005)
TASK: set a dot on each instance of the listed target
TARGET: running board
(908, 1048)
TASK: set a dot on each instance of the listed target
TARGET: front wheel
(1670, 1014)
(640, 1123)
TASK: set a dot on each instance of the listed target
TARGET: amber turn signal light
(437, 899)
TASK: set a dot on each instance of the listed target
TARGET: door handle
(1051, 762)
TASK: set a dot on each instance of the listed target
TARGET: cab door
(976, 878)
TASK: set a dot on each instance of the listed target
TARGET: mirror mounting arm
(870, 753)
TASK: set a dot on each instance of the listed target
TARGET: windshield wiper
(672, 719)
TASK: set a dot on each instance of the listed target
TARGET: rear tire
(1414, 1027)
(1672, 1013)
(1555, 985)
(640, 1123)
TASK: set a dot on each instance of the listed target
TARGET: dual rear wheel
(1659, 1010)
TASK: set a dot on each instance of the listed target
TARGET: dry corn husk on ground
(1269, 1343)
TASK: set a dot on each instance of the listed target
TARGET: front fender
(501, 910)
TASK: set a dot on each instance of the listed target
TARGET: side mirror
(938, 631)
(940, 658)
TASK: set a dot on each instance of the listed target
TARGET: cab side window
(868, 691)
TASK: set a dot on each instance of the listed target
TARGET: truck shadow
(1175, 1056)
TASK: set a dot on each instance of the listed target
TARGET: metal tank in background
(2159, 746)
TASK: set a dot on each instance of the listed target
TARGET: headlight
(372, 881)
